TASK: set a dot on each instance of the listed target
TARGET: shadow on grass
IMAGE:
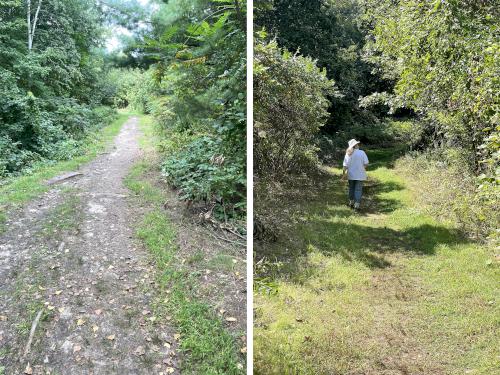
(369, 244)
(321, 221)
(353, 242)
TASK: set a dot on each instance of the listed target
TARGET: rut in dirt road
(71, 254)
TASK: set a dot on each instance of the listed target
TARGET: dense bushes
(53, 133)
(329, 32)
(290, 106)
(50, 129)
(50, 89)
(448, 191)
(197, 93)
(213, 179)
(444, 57)
(130, 87)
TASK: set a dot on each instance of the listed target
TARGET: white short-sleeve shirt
(355, 165)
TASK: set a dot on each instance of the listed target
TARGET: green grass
(207, 346)
(389, 289)
(222, 262)
(197, 257)
(22, 189)
(142, 188)
(3, 219)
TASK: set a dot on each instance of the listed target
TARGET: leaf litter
(86, 269)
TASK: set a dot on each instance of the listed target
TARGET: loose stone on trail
(63, 177)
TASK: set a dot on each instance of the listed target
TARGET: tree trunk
(32, 27)
(29, 25)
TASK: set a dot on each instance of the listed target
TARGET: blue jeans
(355, 190)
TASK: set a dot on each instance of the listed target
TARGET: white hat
(353, 143)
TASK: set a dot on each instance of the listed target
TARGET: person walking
(355, 162)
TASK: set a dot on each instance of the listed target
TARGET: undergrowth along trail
(200, 281)
(388, 291)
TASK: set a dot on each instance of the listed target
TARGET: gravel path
(72, 255)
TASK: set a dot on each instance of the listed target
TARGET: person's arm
(344, 169)
(365, 159)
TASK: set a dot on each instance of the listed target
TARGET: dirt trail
(72, 254)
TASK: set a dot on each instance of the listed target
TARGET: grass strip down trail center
(387, 291)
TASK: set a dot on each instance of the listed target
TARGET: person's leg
(358, 193)
(352, 185)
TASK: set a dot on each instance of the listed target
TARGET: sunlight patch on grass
(308, 328)
(462, 304)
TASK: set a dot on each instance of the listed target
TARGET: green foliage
(447, 191)
(444, 57)
(49, 94)
(198, 88)
(290, 106)
(132, 88)
(200, 178)
(331, 33)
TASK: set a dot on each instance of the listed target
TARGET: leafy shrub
(202, 172)
(12, 157)
(445, 189)
(290, 106)
(103, 115)
(197, 94)
(49, 94)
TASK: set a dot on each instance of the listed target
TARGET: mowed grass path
(387, 291)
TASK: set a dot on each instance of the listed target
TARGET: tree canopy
(51, 71)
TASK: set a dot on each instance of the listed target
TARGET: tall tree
(330, 32)
(444, 57)
(32, 24)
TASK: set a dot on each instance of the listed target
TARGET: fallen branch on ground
(32, 332)
(228, 240)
